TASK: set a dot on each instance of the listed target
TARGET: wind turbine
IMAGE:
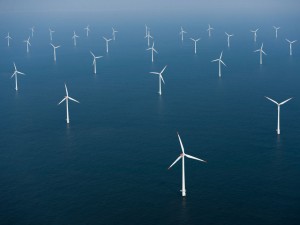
(228, 38)
(160, 78)
(260, 52)
(114, 33)
(195, 44)
(146, 30)
(107, 40)
(87, 30)
(182, 32)
(276, 30)
(291, 42)
(27, 43)
(94, 61)
(255, 35)
(32, 31)
(278, 111)
(74, 37)
(181, 156)
(50, 33)
(15, 74)
(8, 37)
(148, 36)
(209, 30)
(220, 61)
(54, 50)
(152, 50)
(66, 98)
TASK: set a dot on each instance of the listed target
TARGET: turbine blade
(161, 77)
(14, 74)
(272, 100)
(62, 101)
(155, 73)
(73, 99)
(66, 90)
(192, 157)
(175, 162)
(222, 62)
(163, 69)
(281, 103)
(92, 54)
(182, 148)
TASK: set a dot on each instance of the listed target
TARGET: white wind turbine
(107, 40)
(254, 33)
(220, 61)
(114, 33)
(291, 42)
(15, 74)
(27, 44)
(66, 98)
(8, 38)
(94, 61)
(261, 51)
(160, 78)
(32, 31)
(148, 36)
(278, 111)
(228, 38)
(87, 28)
(195, 44)
(50, 33)
(276, 30)
(152, 50)
(181, 156)
(74, 37)
(146, 30)
(54, 51)
(209, 30)
(181, 33)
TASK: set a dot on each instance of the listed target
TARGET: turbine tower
(278, 111)
(181, 156)
(261, 51)
(220, 61)
(160, 78)
(66, 98)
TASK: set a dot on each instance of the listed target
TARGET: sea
(110, 164)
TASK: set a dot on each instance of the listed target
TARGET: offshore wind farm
(151, 86)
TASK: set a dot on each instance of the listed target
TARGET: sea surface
(109, 165)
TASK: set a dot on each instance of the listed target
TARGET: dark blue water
(109, 166)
